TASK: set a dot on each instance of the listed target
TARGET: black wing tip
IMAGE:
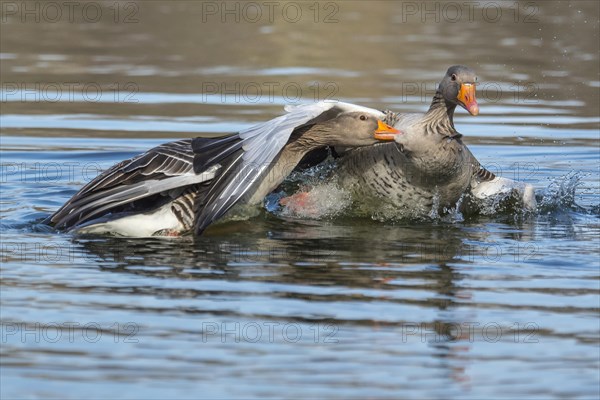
(49, 221)
(200, 228)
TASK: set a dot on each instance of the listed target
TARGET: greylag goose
(428, 169)
(186, 185)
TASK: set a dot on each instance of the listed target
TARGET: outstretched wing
(259, 146)
(162, 170)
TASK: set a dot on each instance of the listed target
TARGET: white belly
(138, 225)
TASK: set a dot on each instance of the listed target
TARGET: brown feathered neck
(439, 119)
(310, 137)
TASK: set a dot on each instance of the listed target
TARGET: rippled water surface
(499, 306)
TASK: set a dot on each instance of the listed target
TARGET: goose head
(352, 129)
(458, 88)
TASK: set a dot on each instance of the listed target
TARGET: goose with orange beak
(184, 186)
(428, 168)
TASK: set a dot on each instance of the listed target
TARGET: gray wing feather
(161, 169)
(93, 206)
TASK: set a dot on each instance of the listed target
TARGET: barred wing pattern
(162, 170)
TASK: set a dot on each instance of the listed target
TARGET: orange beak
(466, 96)
(385, 132)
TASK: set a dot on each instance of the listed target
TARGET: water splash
(560, 194)
(521, 200)
(321, 196)
(454, 214)
(322, 201)
(434, 213)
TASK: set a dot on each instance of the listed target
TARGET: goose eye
(453, 77)
(363, 118)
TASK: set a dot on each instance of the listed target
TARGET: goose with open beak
(186, 185)
(428, 168)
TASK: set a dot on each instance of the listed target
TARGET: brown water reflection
(369, 51)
